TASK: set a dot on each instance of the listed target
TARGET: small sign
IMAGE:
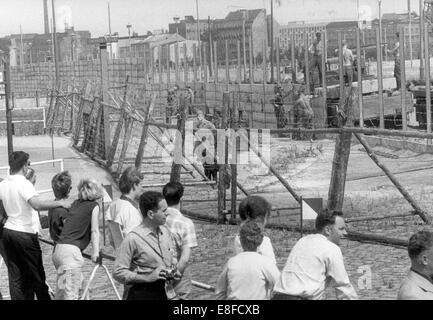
(310, 208)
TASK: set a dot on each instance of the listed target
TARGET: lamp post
(129, 26)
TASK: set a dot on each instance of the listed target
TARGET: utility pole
(410, 33)
(22, 48)
(129, 26)
(198, 36)
(7, 86)
(210, 47)
(272, 41)
(244, 18)
(421, 32)
(109, 29)
(56, 54)
(380, 26)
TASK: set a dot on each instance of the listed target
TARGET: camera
(170, 273)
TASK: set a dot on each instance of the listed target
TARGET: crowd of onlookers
(156, 243)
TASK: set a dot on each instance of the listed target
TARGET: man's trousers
(25, 268)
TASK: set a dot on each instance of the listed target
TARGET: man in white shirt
(418, 285)
(348, 60)
(184, 236)
(315, 262)
(249, 275)
(21, 244)
(125, 211)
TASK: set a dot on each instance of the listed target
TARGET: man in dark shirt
(61, 184)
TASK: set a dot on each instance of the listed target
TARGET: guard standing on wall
(303, 115)
(172, 103)
(396, 53)
(316, 50)
(280, 112)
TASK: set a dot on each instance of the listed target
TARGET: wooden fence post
(307, 64)
(222, 158)
(427, 82)
(179, 143)
(380, 79)
(360, 96)
(277, 44)
(403, 78)
(294, 64)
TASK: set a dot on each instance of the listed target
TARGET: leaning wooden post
(380, 79)
(403, 78)
(129, 122)
(341, 160)
(205, 62)
(264, 63)
(222, 157)
(424, 215)
(122, 119)
(144, 132)
(160, 71)
(179, 143)
(168, 65)
(360, 96)
(427, 81)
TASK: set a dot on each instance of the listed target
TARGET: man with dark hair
(257, 209)
(315, 261)
(249, 275)
(61, 185)
(124, 211)
(145, 258)
(183, 232)
(23, 252)
(418, 284)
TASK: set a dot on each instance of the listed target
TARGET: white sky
(150, 15)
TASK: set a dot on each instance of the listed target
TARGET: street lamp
(129, 26)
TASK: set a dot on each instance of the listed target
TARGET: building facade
(187, 28)
(299, 30)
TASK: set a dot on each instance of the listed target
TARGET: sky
(149, 15)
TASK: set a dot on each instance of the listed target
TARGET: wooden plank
(227, 63)
(340, 71)
(239, 64)
(215, 45)
(176, 53)
(341, 160)
(251, 60)
(185, 68)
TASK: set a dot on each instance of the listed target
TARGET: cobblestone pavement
(387, 265)
(375, 271)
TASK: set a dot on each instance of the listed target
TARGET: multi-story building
(240, 26)
(187, 28)
(299, 30)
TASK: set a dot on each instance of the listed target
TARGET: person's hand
(158, 274)
(178, 275)
(65, 203)
(95, 257)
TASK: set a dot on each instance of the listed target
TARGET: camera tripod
(92, 276)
